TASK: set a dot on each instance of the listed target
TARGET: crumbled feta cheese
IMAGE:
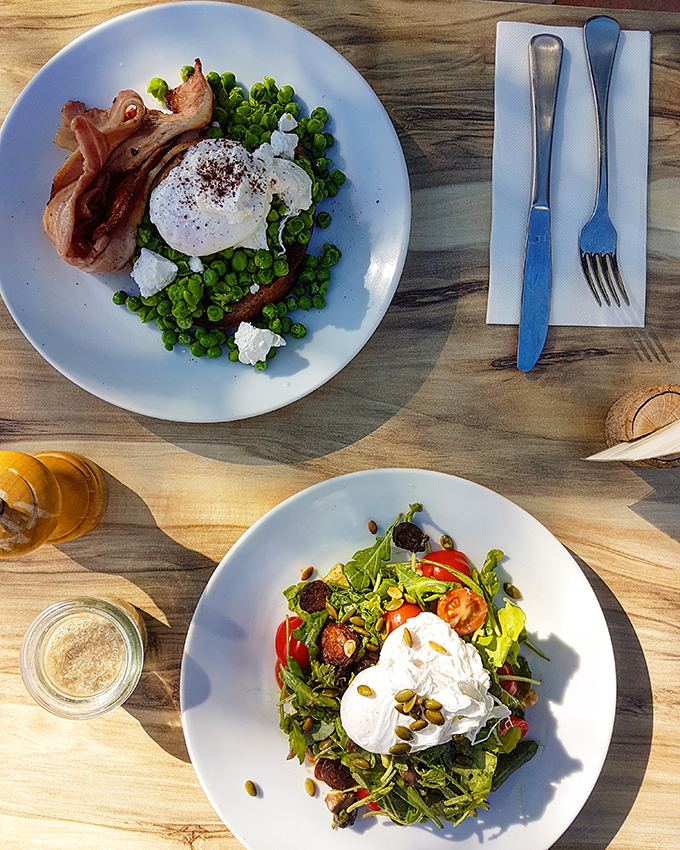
(152, 272)
(287, 123)
(196, 264)
(254, 288)
(283, 144)
(254, 343)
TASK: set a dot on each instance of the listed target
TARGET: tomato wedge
(509, 685)
(507, 723)
(297, 649)
(462, 609)
(401, 614)
(445, 558)
(364, 792)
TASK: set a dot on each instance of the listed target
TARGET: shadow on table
(173, 577)
(661, 508)
(371, 389)
(617, 788)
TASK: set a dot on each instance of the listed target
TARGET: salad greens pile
(447, 782)
(180, 310)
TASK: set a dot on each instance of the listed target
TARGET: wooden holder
(640, 412)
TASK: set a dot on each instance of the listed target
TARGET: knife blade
(545, 56)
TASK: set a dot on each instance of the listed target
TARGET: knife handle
(545, 62)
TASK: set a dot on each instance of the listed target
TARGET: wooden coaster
(640, 412)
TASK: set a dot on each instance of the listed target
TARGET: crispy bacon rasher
(99, 194)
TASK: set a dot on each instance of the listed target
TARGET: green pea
(185, 338)
(265, 276)
(214, 313)
(331, 254)
(213, 79)
(197, 349)
(214, 133)
(330, 140)
(120, 297)
(291, 304)
(133, 303)
(239, 261)
(314, 126)
(323, 273)
(319, 302)
(220, 336)
(320, 114)
(331, 189)
(338, 177)
(158, 88)
(286, 95)
(169, 338)
(165, 308)
(213, 352)
(323, 220)
(305, 302)
(303, 237)
(221, 116)
(228, 81)
(185, 72)
(210, 276)
(233, 355)
(286, 324)
(184, 322)
(280, 268)
(298, 331)
(261, 365)
(270, 312)
(263, 259)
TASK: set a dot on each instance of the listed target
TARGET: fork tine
(588, 272)
(594, 278)
(615, 274)
(603, 276)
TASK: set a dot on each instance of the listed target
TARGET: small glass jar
(83, 657)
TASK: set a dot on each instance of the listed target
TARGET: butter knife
(545, 61)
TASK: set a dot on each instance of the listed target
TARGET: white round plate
(229, 695)
(68, 316)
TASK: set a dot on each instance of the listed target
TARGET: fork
(597, 241)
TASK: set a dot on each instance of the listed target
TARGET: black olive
(407, 535)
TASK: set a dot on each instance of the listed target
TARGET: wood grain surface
(434, 388)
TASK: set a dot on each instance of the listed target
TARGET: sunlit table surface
(435, 388)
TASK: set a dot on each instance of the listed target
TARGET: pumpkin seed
(306, 573)
(446, 542)
(330, 692)
(371, 647)
(417, 725)
(404, 696)
(409, 598)
(435, 717)
(307, 723)
(379, 624)
(403, 733)
(365, 691)
(408, 640)
(310, 786)
(438, 647)
(327, 742)
(400, 708)
(356, 621)
(395, 592)
(251, 788)
(361, 763)
(393, 604)
(349, 613)
(372, 526)
(408, 706)
(512, 591)
(332, 613)
(385, 760)
(400, 749)
(433, 704)
(349, 647)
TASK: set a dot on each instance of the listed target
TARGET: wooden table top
(434, 388)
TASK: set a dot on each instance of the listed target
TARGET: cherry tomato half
(507, 724)
(508, 685)
(364, 792)
(297, 650)
(401, 614)
(462, 609)
(447, 558)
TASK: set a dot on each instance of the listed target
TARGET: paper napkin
(573, 176)
(661, 443)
